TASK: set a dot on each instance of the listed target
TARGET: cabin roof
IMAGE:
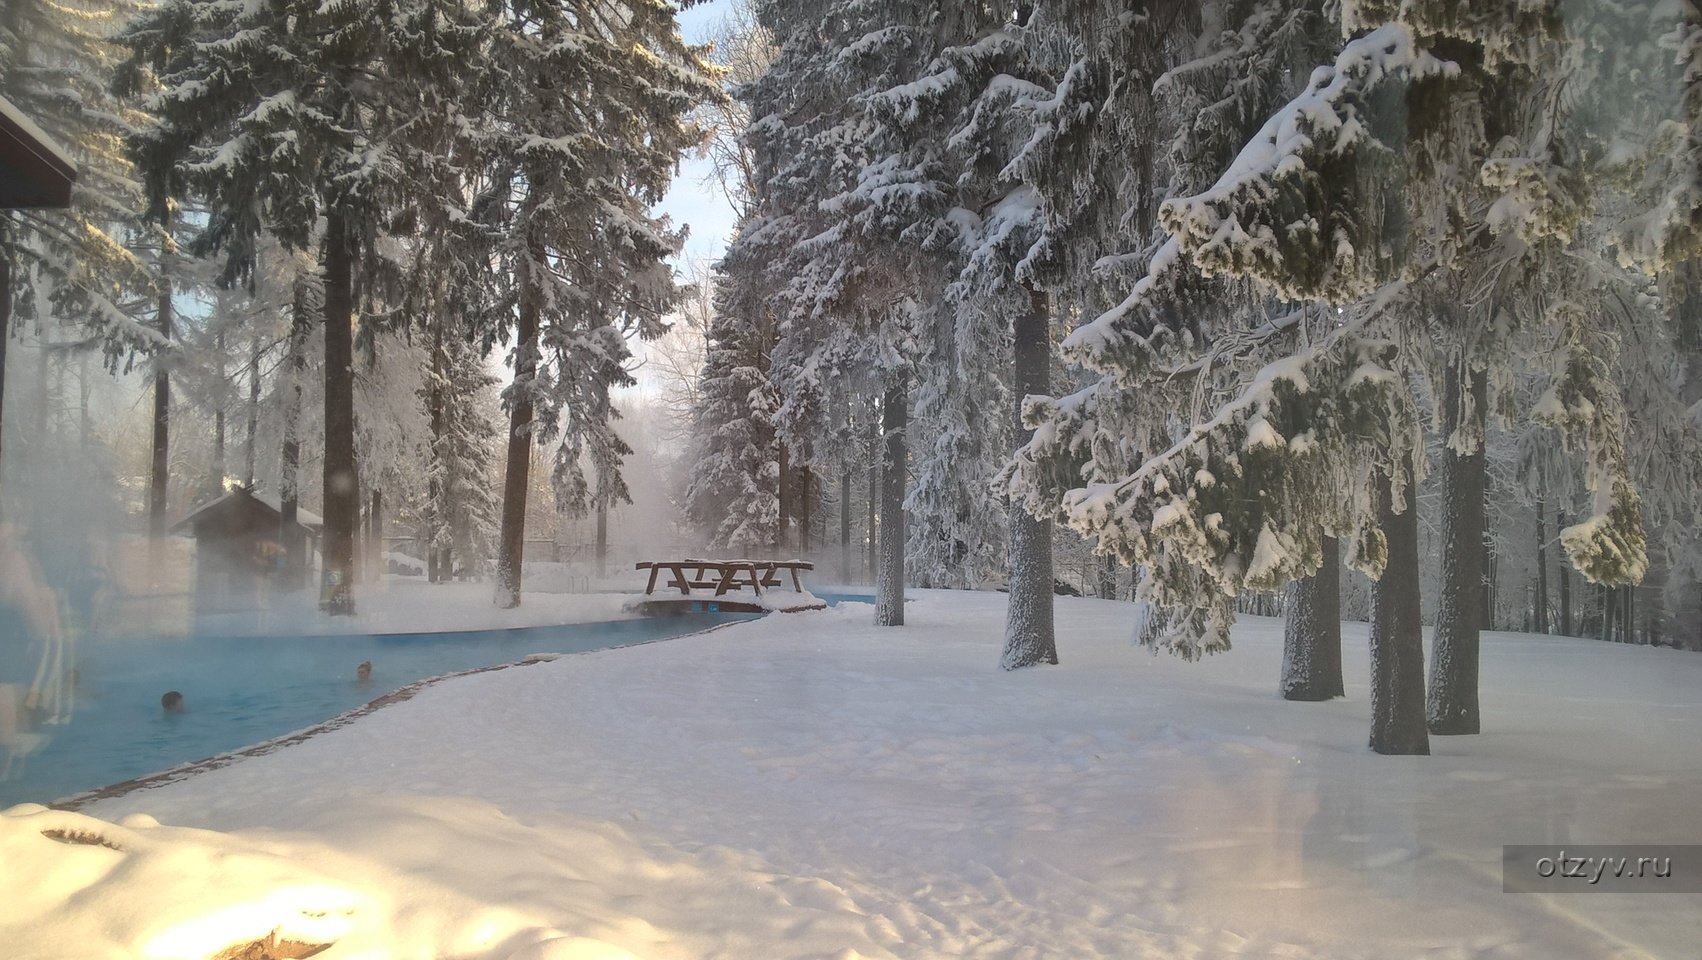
(306, 518)
(34, 171)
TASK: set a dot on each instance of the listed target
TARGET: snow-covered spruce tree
(733, 493)
(460, 396)
(584, 124)
(309, 121)
(70, 266)
(1242, 498)
(851, 299)
(977, 193)
(1179, 91)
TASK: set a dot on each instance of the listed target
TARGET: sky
(694, 199)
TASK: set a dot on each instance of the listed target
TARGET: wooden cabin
(241, 558)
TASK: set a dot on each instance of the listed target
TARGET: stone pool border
(184, 771)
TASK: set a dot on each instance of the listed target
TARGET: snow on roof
(15, 115)
(306, 518)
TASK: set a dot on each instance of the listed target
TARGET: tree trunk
(1486, 578)
(870, 507)
(1541, 619)
(1107, 586)
(804, 511)
(845, 521)
(289, 493)
(340, 479)
(253, 415)
(602, 540)
(782, 486)
(512, 542)
(217, 473)
(435, 520)
(1029, 638)
(85, 427)
(889, 589)
(1608, 615)
(1312, 632)
(375, 533)
(157, 475)
(1397, 630)
(1452, 705)
(1564, 575)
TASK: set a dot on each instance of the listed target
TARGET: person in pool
(363, 673)
(172, 702)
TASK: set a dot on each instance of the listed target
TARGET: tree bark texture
(253, 415)
(845, 522)
(1397, 631)
(289, 466)
(1541, 619)
(871, 509)
(889, 586)
(1029, 636)
(1451, 707)
(161, 464)
(1312, 632)
(512, 541)
(341, 482)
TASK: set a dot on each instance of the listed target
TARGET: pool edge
(184, 771)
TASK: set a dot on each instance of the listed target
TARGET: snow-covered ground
(811, 786)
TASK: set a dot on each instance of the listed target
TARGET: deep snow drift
(811, 786)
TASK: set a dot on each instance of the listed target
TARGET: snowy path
(810, 786)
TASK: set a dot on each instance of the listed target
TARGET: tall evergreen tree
(73, 266)
(309, 121)
(586, 121)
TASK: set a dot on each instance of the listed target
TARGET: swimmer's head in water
(172, 702)
(364, 671)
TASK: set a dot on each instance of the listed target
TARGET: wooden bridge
(720, 586)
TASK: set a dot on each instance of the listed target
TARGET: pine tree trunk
(1029, 638)
(161, 465)
(870, 507)
(253, 415)
(1486, 590)
(1107, 586)
(217, 473)
(602, 540)
(512, 540)
(845, 521)
(435, 512)
(1452, 705)
(289, 491)
(341, 482)
(1608, 615)
(1541, 620)
(375, 531)
(889, 588)
(85, 428)
(1564, 575)
(782, 486)
(1397, 631)
(1312, 632)
(804, 511)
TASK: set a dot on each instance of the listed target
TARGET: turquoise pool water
(242, 691)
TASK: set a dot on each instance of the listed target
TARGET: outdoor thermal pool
(242, 691)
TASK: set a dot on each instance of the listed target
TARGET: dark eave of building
(34, 171)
